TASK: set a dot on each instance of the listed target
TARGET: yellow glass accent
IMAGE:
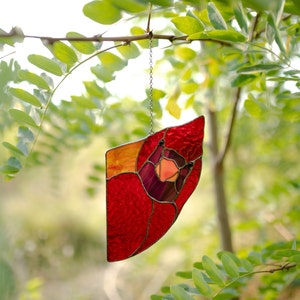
(122, 159)
(167, 170)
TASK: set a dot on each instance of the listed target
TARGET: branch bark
(15, 33)
(228, 137)
(217, 168)
(218, 182)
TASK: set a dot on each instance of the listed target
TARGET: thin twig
(149, 18)
(253, 28)
(223, 152)
(7, 54)
(285, 266)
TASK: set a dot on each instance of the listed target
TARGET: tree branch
(15, 33)
(149, 18)
(228, 137)
(222, 153)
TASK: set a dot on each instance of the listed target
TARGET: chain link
(150, 102)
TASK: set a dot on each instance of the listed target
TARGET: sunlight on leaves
(64, 53)
(187, 25)
(215, 17)
(45, 64)
(25, 96)
(84, 46)
(22, 117)
(103, 12)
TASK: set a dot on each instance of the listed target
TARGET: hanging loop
(150, 102)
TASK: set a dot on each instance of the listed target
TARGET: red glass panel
(148, 182)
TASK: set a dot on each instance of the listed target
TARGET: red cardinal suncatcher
(147, 184)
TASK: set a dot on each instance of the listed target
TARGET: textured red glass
(147, 184)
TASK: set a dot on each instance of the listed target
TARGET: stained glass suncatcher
(147, 184)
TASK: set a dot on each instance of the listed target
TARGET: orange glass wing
(147, 184)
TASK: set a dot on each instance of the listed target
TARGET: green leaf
(259, 68)
(129, 51)
(34, 79)
(253, 108)
(185, 53)
(236, 260)
(294, 258)
(213, 271)
(274, 31)
(292, 7)
(22, 117)
(135, 30)
(246, 265)
(230, 266)
(215, 17)
(15, 35)
(94, 89)
(45, 64)
(25, 96)
(172, 107)
(286, 253)
(179, 293)
(12, 148)
(277, 10)
(94, 178)
(103, 12)
(189, 87)
(158, 94)
(185, 274)
(240, 15)
(25, 134)
(192, 15)
(6, 169)
(84, 102)
(12, 166)
(255, 258)
(102, 73)
(242, 80)
(111, 61)
(187, 24)
(219, 35)
(201, 284)
(190, 101)
(157, 297)
(228, 294)
(64, 53)
(164, 3)
(81, 46)
(131, 6)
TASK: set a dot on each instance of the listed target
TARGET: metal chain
(151, 82)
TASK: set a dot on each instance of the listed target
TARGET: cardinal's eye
(161, 143)
(190, 164)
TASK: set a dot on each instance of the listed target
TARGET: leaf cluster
(228, 278)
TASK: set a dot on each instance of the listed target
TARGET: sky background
(44, 17)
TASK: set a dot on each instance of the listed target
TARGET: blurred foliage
(251, 46)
